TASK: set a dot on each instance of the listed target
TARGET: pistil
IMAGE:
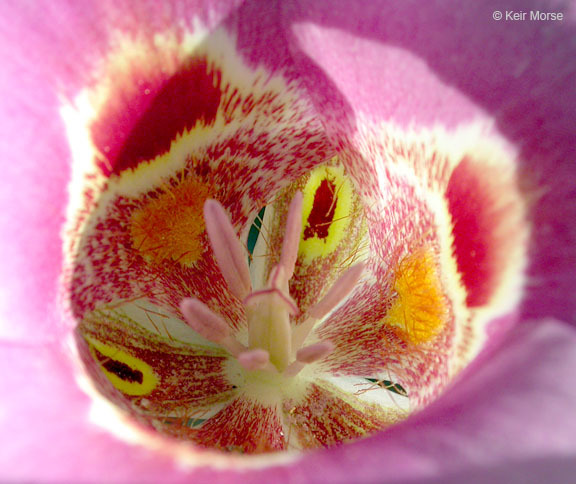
(274, 343)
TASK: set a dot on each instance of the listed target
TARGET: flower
(329, 46)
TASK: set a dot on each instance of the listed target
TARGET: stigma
(275, 343)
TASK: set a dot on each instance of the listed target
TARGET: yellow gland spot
(171, 225)
(420, 309)
(127, 373)
(326, 209)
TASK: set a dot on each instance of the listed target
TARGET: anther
(339, 290)
(336, 294)
(257, 359)
(309, 354)
(228, 251)
(209, 325)
(289, 253)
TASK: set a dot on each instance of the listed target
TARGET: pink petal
(33, 203)
(514, 407)
(45, 53)
(425, 64)
(513, 73)
(50, 438)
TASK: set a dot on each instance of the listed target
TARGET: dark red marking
(121, 370)
(324, 420)
(322, 213)
(140, 128)
(472, 206)
(243, 426)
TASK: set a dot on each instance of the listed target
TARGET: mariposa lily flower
(286, 228)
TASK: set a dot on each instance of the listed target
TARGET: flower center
(275, 344)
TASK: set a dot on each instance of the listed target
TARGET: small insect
(389, 385)
(190, 422)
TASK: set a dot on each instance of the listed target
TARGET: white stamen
(228, 250)
(209, 325)
(289, 253)
(335, 295)
(301, 332)
(309, 354)
(339, 290)
(255, 360)
(271, 337)
(315, 352)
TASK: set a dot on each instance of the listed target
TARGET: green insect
(389, 385)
